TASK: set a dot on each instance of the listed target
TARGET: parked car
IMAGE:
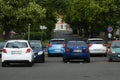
(114, 51)
(76, 50)
(38, 50)
(2, 43)
(56, 47)
(17, 51)
(97, 46)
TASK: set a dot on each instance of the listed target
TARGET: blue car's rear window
(57, 42)
(76, 43)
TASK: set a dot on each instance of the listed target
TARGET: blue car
(56, 47)
(37, 47)
(76, 50)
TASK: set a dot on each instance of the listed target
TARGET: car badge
(77, 47)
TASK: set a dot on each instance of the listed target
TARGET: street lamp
(29, 31)
(42, 27)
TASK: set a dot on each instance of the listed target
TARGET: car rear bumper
(52, 52)
(98, 51)
(114, 56)
(77, 55)
(17, 58)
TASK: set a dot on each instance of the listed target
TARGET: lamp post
(42, 27)
(29, 31)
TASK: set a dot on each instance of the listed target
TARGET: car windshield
(76, 43)
(35, 45)
(96, 42)
(57, 42)
(116, 45)
(2, 45)
(16, 45)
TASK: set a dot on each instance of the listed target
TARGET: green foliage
(37, 36)
(95, 14)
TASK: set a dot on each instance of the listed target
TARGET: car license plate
(57, 50)
(118, 55)
(16, 52)
(77, 51)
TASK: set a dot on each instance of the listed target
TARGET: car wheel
(42, 60)
(49, 55)
(110, 59)
(87, 60)
(4, 64)
(30, 64)
(65, 60)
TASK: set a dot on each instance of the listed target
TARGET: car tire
(49, 55)
(4, 64)
(110, 59)
(30, 64)
(42, 60)
(65, 60)
(87, 60)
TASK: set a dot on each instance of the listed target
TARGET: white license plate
(77, 51)
(57, 50)
(118, 55)
(16, 52)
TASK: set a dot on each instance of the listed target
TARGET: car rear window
(76, 43)
(16, 45)
(96, 41)
(116, 45)
(35, 45)
(57, 42)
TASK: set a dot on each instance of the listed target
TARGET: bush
(37, 36)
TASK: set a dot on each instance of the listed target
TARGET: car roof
(17, 40)
(76, 40)
(58, 39)
(35, 40)
(116, 41)
(95, 39)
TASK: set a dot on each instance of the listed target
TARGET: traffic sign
(110, 29)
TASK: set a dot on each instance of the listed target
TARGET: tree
(16, 14)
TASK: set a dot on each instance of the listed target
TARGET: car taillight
(104, 44)
(89, 45)
(87, 49)
(28, 50)
(67, 50)
(63, 45)
(49, 45)
(110, 50)
(4, 51)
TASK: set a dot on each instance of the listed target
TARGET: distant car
(97, 46)
(76, 50)
(17, 51)
(37, 47)
(2, 43)
(56, 47)
(114, 51)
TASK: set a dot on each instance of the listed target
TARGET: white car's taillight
(89, 45)
(28, 50)
(104, 45)
(4, 51)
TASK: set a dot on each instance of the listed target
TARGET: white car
(17, 51)
(97, 46)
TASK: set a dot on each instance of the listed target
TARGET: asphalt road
(55, 69)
